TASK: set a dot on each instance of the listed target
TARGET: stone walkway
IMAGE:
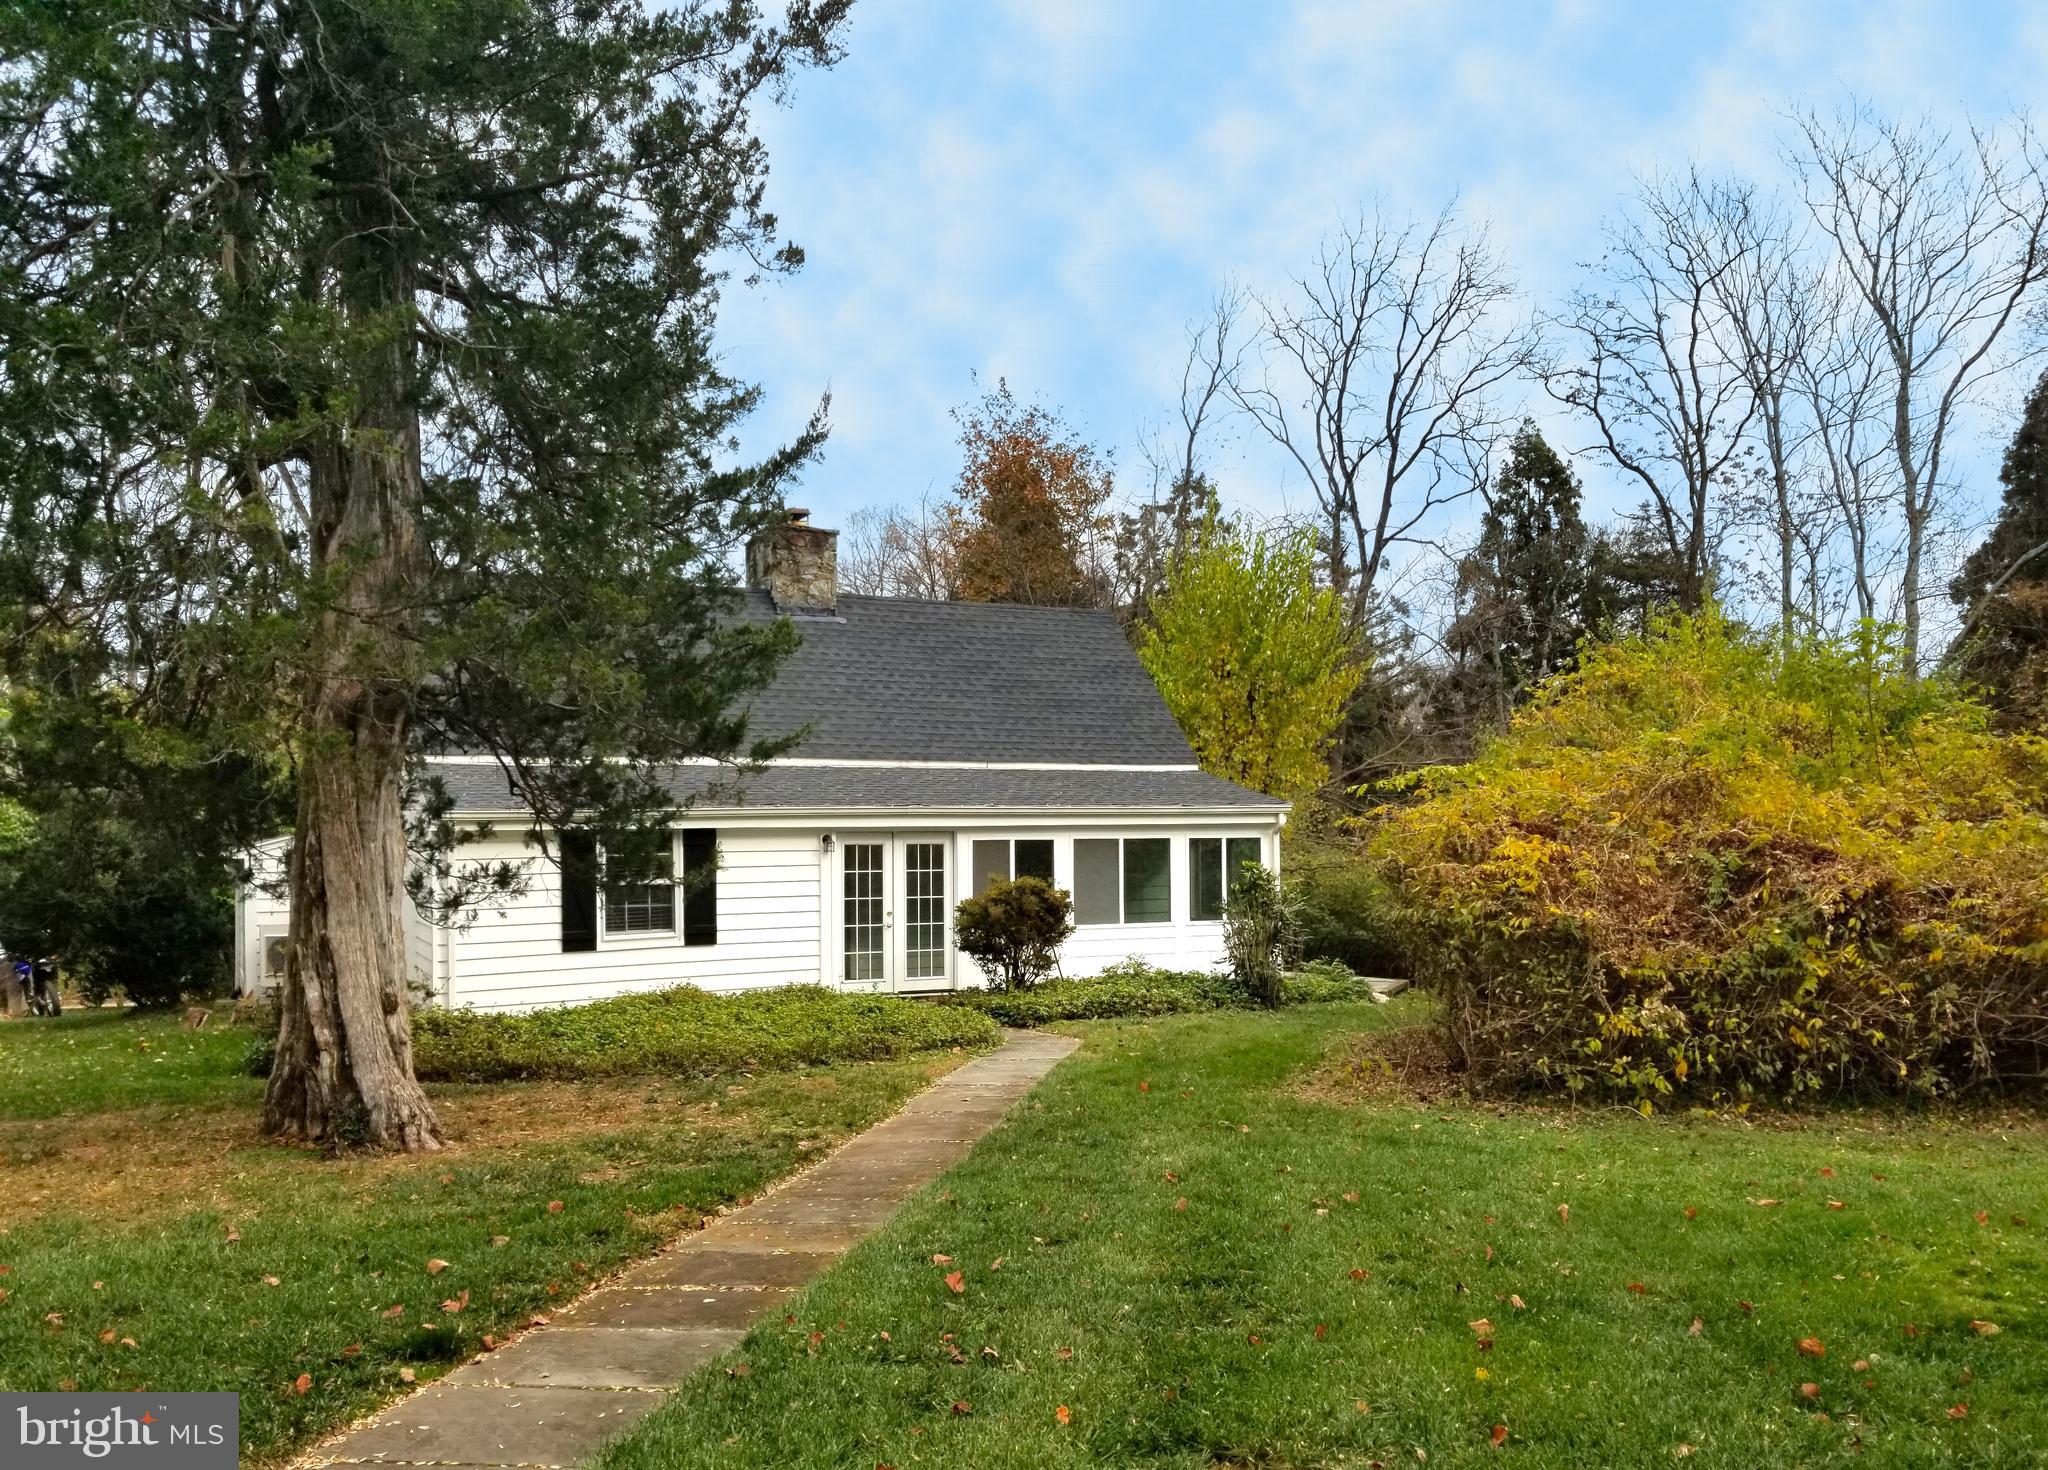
(554, 1396)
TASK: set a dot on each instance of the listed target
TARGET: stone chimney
(796, 563)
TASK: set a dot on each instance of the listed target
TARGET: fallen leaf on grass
(501, 1240)
(1696, 1329)
(957, 1282)
(389, 1312)
(107, 1336)
(1638, 1288)
(233, 1235)
(1499, 1436)
(353, 1350)
(996, 1264)
(1959, 1411)
(554, 1207)
(1984, 1329)
(1810, 1390)
(1181, 1203)
(1564, 1213)
(270, 1281)
(1063, 1415)
(406, 1375)
(962, 1407)
(1358, 1275)
(1483, 1327)
(1516, 1302)
(436, 1266)
(456, 1303)
(302, 1383)
(1810, 1347)
(1065, 1354)
(1861, 1365)
(1835, 1204)
(1692, 1212)
(1747, 1307)
(128, 1342)
(940, 1260)
(1765, 1204)
(1983, 1217)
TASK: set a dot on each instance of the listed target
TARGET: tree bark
(344, 1071)
(344, 1068)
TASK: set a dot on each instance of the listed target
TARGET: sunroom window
(1208, 889)
(1006, 858)
(1123, 880)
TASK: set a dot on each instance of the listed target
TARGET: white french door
(895, 911)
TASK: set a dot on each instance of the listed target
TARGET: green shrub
(1258, 928)
(1704, 866)
(1013, 930)
(1345, 910)
(684, 1031)
(1320, 982)
(1127, 988)
(1133, 988)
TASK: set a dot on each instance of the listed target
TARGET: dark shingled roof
(895, 678)
(482, 787)
(901, 679)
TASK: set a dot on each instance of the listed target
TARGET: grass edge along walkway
(559, 1392)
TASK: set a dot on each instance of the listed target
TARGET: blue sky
(1049, 190)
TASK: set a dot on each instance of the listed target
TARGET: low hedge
(1132, 988)
(685, 1031)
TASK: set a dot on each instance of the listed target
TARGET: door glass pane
(1242, 850)
(991, 861)
(1148, 880)
(1095, 881)
(924, 910)
(863, 910)
(1205, 878)
(1034, 858)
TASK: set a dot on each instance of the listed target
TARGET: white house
(949, 743)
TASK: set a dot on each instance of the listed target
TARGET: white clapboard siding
(767, 933)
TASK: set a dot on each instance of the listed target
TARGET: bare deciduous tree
(1647, 365)
(1944, 241)
(1378, 374)
(899, 551)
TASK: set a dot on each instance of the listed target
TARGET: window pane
(1095, 880)
(1205, 878)
(1034, 858)
(991, 861)
(1242, 850)
(644, 908)
(924, 903)
(1148, 880)
(861, 902)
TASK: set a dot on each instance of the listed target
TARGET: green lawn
(150, 1239)
(94, 1061)
(1327, 1295)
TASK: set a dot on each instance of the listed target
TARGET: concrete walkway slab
(553, 1397)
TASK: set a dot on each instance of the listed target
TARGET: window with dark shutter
(700, 885)
(578, 853)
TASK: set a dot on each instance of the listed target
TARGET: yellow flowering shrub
(1708, 867)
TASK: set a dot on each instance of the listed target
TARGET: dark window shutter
(579, 890)
(700, 885)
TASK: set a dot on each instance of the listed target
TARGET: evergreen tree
(358, 399)
(1524, 589)
(2002, 590)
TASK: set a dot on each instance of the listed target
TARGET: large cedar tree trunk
(344, 1069)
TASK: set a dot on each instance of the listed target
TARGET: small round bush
(1013, 930)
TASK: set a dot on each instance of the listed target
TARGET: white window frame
(1225, 835)
(643, 938)
(1120, 839)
